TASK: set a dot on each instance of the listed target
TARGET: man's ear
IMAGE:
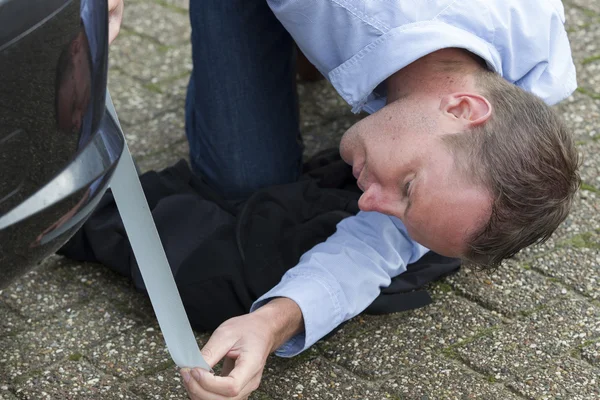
(469, 109)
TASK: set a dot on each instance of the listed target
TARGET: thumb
(217, 347)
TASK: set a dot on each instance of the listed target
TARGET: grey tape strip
(152, 261)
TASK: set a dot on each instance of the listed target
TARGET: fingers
(115, 16)
(217, 347)
(198, 381)
(239, 381)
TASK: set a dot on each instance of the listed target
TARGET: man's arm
(339, 278)
(333, 282)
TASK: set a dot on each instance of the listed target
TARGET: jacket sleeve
(339, 278)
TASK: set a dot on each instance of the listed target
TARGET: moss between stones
(589, 188)
(590, 59)
(153, 87)
(591, 94)
(586, 240)
(171, 7)
(444, 287)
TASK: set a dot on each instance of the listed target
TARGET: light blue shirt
(357, 44)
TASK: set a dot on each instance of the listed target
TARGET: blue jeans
(241, 107)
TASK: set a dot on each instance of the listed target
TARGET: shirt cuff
(317, 305)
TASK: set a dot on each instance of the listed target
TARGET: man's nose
(375, 198)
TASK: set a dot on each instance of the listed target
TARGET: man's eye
(406, 188)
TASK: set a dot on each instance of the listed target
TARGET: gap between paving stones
(446, 353)
(369, 384)
(154, 153)
(126, 30)
(153, 86)
(171, 7)
(562, 344)
(73, 356)
(579, 240)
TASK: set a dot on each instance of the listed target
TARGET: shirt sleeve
(534, 48)
(340, 277)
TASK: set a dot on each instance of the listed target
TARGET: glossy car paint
(58, 145)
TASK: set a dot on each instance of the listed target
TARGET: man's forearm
(284, 319)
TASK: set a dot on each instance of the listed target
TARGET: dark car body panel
(58, 144)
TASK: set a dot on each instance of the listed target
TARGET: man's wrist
(283, 318)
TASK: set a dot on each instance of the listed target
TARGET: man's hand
(115, 16)
(245, 342)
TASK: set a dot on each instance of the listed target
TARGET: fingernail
(196, 374)
(186, 375)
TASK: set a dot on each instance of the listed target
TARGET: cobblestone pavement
(529, 330)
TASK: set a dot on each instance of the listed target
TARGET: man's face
(405, 170)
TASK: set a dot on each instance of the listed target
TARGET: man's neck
(441, 72)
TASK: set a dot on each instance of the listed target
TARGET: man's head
(474, 166)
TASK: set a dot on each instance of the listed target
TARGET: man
(454, 157)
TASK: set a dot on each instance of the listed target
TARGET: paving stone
(580, 113)
(320, 102)
(522, 353)
(70, 332)
(168, 384)
(563, 378)
(157, 134)
(321, 137)
(5, 394)
(45, 290)
(148, 60)
(154, 20)
(135, 103)
(180, 5)
(320, 379)
(590, 6)
(112, 287)
(582, 39)
(175, 88)
(73, 380)
(584, 216)
(591, 353)
(378, 346)
(577, 18)
(164, 384)
(511, 290)
(10, 322)
(164, 157)
(439, 378)
(324, 117)
(586, 52)
(590, 170)
(160, 377)
(577, 265)
(132, 353)
(95, 280)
